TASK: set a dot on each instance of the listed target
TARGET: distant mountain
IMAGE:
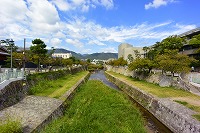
(101, 56)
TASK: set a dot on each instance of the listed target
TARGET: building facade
(62, 55)
(3, 55)
(125, 49)
(188, 49)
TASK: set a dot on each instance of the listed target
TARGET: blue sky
(89, 26)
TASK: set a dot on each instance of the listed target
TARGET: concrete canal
(152, 124)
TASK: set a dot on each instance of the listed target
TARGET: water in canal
(152, 124)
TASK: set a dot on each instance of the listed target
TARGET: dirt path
(192, 101)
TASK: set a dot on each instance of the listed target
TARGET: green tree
(142, 64)
(145, 49)
(130, 58)
(38, 50)
(195, 40)
(137, 53)
(174, 63)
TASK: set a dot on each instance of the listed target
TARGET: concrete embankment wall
(12, 93)
(175, 116)
(15, 91)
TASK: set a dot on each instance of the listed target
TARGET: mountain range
(101, 56)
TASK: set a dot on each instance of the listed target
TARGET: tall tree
(38, 49)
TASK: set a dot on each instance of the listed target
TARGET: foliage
(98, 108)
(92, 67)
(170, 43)
(174, 63)
(195, 41)
(130, 58)
(10, 126)
(141, 64)
(38, 51)
(137, 54)
(118, 62)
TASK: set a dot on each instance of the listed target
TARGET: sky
(90, 26)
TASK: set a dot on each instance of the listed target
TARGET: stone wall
(154, 77)
(17, 90)
(175, 116)
(12, 93)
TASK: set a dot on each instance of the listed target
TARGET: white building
(125, 49)
(62, 55)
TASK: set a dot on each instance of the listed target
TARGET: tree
(145, 49)
(174, 63)
(130, 58)
(38, 50)
(142, 64)
(195, 40)
(137, 53)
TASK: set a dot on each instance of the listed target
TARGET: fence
(7, 75)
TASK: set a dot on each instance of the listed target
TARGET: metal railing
(14, 74)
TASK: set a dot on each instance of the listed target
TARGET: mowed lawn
(56, 88)
(185, 98)
(96, 108)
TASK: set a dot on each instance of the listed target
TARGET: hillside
(101, 56)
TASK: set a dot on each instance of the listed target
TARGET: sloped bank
(59, 110)
(176, 117)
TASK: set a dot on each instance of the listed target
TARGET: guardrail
(8, 74)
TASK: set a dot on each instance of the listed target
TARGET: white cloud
(82, 5)
(75, 42)
(55, 42)
(12, 11)
(62, 5)
(96, 42)
(109, 50)
(158, 3)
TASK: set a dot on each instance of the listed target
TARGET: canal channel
(152, 124)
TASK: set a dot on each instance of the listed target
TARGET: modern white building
(62, 55)
(125, 49)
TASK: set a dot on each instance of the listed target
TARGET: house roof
(4, 53)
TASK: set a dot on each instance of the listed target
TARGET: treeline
(164, 55)
(38, 54)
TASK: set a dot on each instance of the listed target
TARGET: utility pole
(24, 58)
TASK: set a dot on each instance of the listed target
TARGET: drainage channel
(153, 125)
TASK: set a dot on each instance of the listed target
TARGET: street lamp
(10, 43)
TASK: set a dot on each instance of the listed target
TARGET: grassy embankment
(97, 108)
(164, 92)
(56, 88)
(10, 126)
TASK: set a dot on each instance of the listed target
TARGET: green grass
(56, 88)
(10, 126)
(197, 117)
(155, 89)
(96, 108)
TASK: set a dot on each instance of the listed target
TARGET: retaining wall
(59, 110)
(12, 93)
(175, 116)
(15, 91)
